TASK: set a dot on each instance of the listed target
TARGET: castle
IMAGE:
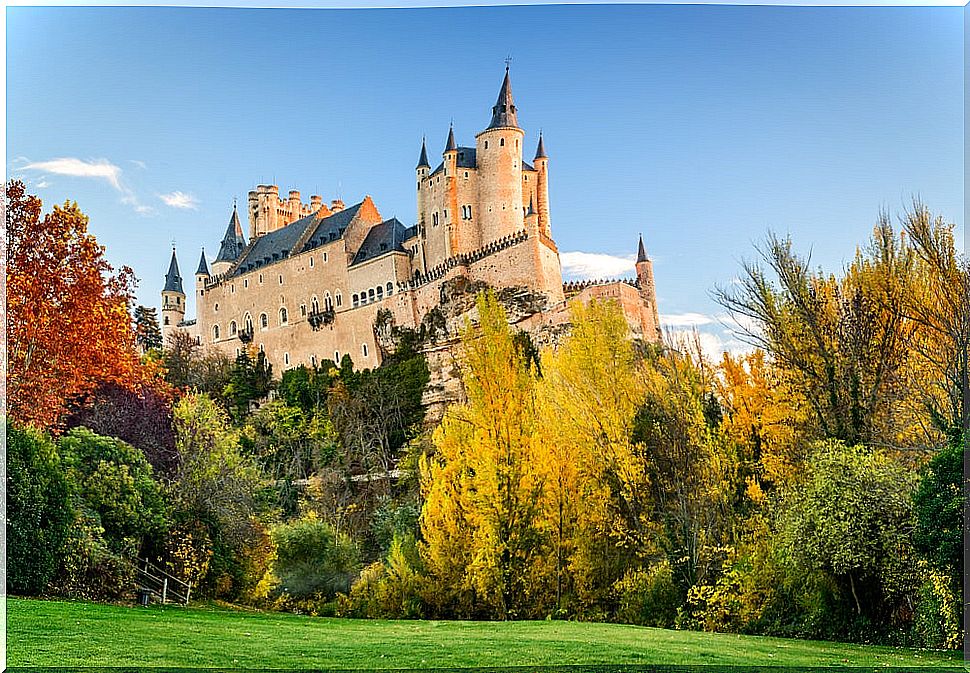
(309, 283)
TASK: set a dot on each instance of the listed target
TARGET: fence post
(164, 590)
(188, 592)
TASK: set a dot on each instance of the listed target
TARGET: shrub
(39, 511)
(391, 589)
(648, 597)
(936, 622)
(313, 560)
(90, 568)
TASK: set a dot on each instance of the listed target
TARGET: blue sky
(702, 127)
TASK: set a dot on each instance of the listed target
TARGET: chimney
(336, 205)
(315, 202)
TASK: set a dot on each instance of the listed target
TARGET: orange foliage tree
(68, 326)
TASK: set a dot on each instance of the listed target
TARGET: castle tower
(499, 158)
(173, 300)
(232, 246)
(648, 293)
(541, 163)
(449, 214)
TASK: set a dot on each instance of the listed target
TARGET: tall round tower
(173, 300)
(499, 158)
(541, 163)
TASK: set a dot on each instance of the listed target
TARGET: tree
(843, 342)
(68, 322)
(938, 506)
(39, 511)
(850, 517)
(312, 560)
(250, 379)
(190, 367)
(483, 486)
(148, 335)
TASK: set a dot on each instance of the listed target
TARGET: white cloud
(179, 200)
(713, 345)
(685, 319)
(100, 169)
(41, 184)
(594, 265)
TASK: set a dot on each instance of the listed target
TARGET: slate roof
(279, 244)
(233, 243)
(641, 253)
(423, 159)
(203, 267)
(450, 144)
(467, 158)
(173, 281)
(503, 113)
(541, 149)
(381, 239)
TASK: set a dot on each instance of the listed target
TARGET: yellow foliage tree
(483, 486)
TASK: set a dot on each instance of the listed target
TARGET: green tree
(39, 511)
(250, 379)
(312, 560)
(938, 506)
(148, 335)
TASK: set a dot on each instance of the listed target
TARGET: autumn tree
(483, 485)
(68, 325)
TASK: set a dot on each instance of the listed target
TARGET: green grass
(49, 633)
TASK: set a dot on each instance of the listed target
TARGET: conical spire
(541, 149)
(423, 160)
(641, 253)
(451, 144)
(503, 113)
(233, 242)
(532, 210)
(203, 269)
(173, 281)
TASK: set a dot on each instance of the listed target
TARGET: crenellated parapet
(465, 259)
(574, 287)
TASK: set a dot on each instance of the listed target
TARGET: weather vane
(508, 61)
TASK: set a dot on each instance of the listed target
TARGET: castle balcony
(318, 319)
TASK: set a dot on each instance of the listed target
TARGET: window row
(373, 294)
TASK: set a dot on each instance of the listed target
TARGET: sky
(701, 127)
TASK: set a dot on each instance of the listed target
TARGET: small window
(363, 348)
(313, 360)
(215, 332)
(215, 308)
(390, 289)
(260, 279)
(281, 280)
(238, 352)
(336, 357)
(246, 282)
(356, 300)
(370, 294)
(324, 258)
(327, 302)
(303, 310)
(166, 320)
(249, 323)
(198, 340)
(501, 142)
(486, 144)
(263, 321)
(232, 328)
(314, 305)
(311, 262)
(380, 292)
(283, 317)
(286, 358)
(232, 288)
(340, 300)
(466, 174)
(261, 349)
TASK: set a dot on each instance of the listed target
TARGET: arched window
(249, 323)
(303, 310)
(370, 294)
(328, 301)
(340, 299)
(501, 142)
(336, 357)
(363, 348)
(380, 292)
(198, 340)
(390, 289)
(232, 328)
(238, 352)
(261, 350)
(314, 305)
(215, 332)
(260, 279)
(313, 360)
(263, 321)
(283, 316)
(166, 320)
(486, 144)
(215, 309)
(355, 299)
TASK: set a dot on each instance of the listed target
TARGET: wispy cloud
(685, 319)
(591, 265)
(41, 184)
(96, 168)
(140, 164)
(179, 200)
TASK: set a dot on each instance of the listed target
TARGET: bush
(91, 569)
(648, 597)
(39, 511)
(936, 622)
(312, 560)
(391, 589)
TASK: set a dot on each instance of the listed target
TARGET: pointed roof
(503, 113)
(173, 281)
(203, 269)
(532, 210)
(541, 149)
(641, 253)
(423, 160)
(451, 145)
(233, 243)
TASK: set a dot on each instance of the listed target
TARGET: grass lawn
(61, 633)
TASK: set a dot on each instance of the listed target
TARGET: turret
(202, 273)
(233, 244)
(449, 214)
(499, 158)
(173, 299)
(541, 163)
(648, 292)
